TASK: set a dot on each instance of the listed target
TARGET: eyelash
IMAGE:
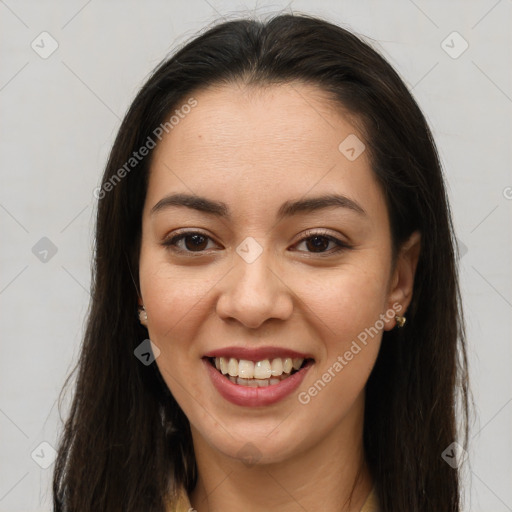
(340, 246)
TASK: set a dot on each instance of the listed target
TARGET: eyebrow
(287, 209)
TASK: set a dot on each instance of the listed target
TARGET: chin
(268, 445)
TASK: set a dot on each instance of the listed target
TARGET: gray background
(59, 116)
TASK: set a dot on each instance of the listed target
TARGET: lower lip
(255, 397)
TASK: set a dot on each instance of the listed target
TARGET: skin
(253, 149)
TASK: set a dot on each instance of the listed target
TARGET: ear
(402, 280)
(143, 316)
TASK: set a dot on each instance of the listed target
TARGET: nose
(253, 293)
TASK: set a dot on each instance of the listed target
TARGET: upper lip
(256, 354)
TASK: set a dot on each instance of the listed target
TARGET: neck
(332, 472)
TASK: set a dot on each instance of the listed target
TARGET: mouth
(261, 373)
(256, 377)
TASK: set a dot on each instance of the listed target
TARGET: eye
(193, 242)
(317, 243)
(190, 242)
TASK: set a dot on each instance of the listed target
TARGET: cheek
(346, 307)
(346, 299)
(172, 294)
(172, 300)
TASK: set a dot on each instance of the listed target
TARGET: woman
(273, 218)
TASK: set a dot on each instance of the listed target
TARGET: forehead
(242, 142)
(285, 121)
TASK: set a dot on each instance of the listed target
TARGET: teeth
(259, 371)
(276, 367)
(257, 383)
(246, 369)
(233, 367)
(262, 369)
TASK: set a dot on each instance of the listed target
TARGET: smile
(257, 373)
(256, 377)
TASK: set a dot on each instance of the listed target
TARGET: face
(238, 272)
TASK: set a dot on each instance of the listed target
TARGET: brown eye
(318, 243)
(195, 242)
(192, 241)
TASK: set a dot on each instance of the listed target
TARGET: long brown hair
(126, 444)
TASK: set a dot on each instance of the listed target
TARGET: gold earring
(143, 316)
(400, 321)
